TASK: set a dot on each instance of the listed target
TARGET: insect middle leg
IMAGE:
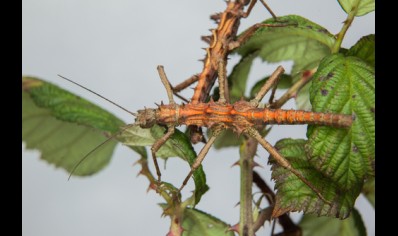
(249, 32)
(170, 129)
(202, 154)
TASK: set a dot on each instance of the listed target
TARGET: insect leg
(249, 32)
(166, 84)
(184, 84)
(268, 9)
(282, 161)
(249, 9)
(273, 79)
(201, 156)
(156, 146)
(223, 82)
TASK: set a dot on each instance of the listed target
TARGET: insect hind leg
(283, 162)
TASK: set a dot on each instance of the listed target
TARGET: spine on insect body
(242, 114)
(226, 31)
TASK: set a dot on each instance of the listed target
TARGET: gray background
(113, 47)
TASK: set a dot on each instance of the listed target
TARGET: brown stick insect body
(240, 117)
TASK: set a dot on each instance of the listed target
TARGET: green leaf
(228, 139)
(238, 78)
(199, 223)
(177, 146)
(294, 195)
(65, 127)
(300, 40)
(362, 7)
(344, 85)
(285, 81)
(369, 191)
(294, 39)
(325, 226)
(364, 49)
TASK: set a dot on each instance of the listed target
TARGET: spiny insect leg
(184, 84)
(249, 9)
(202, 154)
(283, 162)
(223, 82)
(166, 84)
(268, 9)
(249, 32)
(155, 147)
(273, 79)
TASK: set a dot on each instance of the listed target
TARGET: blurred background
(113, 48)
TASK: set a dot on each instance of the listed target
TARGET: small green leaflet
(326, 226)
(294, 195)
(359, 7)
(344, 85)
(199, 223)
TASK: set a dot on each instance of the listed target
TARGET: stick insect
(241, 117)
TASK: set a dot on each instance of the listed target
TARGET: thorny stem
(247, 151)
(347, 24)
(294, 89)
(152, 181)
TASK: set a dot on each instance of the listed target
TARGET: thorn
(206, 39)
(140, 173)
(202, 60)
(235, 164)
(255, 164)
(151, 186)
(157, 104)
(161, 103)
(234, 228)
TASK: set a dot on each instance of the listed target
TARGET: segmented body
(238, 116)
(225, 33)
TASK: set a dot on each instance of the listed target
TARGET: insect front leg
(271, 82)
(223, 82)
(156, 146)
(202, 154)
(166, 84)
(283, 162)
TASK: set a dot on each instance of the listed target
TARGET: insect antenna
(114, 103)
(96, 148)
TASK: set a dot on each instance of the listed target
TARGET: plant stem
(347, 24)
(247, 152)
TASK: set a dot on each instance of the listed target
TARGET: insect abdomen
(280, 116)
